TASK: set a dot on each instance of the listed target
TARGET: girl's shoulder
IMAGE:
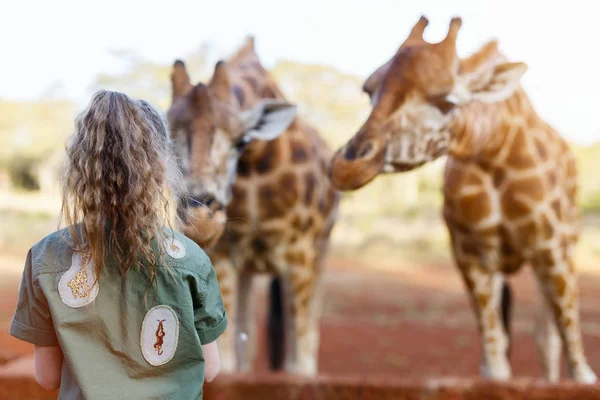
(185, 253)
(52, 252)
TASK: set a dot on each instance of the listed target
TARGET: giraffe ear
(201, 98)
(496, 82)
(374, 81)
(180, 80)
(268, 120)
(220, 83)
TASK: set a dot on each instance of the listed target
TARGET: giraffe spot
(310, 221)
(244, 168)
(571, 267)
(572, 300)
(557, 310)
(259, 246)
(469, 283)
(302, 287)
(239, 95)
(473, 180)
(295, 257)
(469, 247)
(297, 223)
(560, 285)
(225, 291)
(541, 149)
(547, 228)
(277, 198)
(459, 226)
(299, 153)
(545, 258)
(572, 194)
(556, 207)
(551, 179)
(499, 177)
(475, 207)
(310, 182)
(238, 192)
(269, 158)
(483, 299)
(492, 322)
(568, 321)
(512, 204)
(452, 183)
(288, 186)
(526, 234)
(237, 207)
(491, 231)
(271, 234)
(506, 248)
(519, 156)
(270, 206)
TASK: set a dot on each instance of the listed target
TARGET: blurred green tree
(149, 80)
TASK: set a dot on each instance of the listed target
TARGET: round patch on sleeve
(76, 287)
(174, 248)
(160, 334)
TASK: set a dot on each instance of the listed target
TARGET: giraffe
(260, 202)
(509, 182)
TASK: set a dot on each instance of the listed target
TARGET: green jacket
(122, 339)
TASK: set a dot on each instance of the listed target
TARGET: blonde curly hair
(120, 180)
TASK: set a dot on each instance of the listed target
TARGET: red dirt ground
(410, 322)
(416, 322)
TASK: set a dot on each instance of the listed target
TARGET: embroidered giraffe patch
(76, 287)
(160, 335)
(174, 248)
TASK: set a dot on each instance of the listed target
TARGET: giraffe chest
(282, 205)
(504, 215)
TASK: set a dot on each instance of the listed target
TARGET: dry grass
(415, 237)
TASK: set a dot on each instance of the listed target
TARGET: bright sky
(49, 41)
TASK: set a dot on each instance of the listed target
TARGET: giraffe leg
(245, 332)
(228, 281)
(548, 342)
(559, 284)
(485, 290)
(301, 319)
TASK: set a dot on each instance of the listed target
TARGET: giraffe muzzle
(203, 219)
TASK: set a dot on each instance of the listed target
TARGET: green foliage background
(394, 211)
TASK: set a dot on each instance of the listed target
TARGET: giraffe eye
(443, 104)
(241, 144)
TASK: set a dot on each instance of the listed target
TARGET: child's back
(137, 331)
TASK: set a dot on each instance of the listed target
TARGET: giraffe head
(417, 97)
(210, 133)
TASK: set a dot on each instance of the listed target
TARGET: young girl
(118, 305)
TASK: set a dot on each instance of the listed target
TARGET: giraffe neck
(250, 81)
(480, 130)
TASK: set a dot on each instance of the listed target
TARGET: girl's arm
(48, 366)
(212, 361)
